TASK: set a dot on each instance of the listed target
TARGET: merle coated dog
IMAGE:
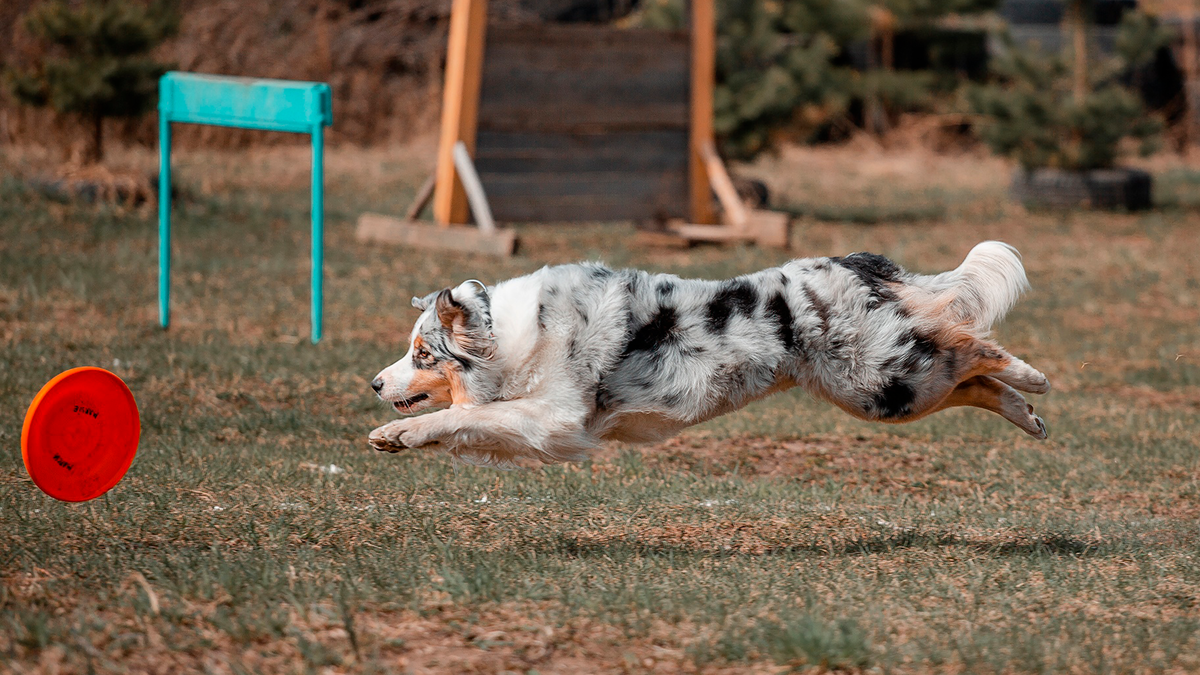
(546, 366)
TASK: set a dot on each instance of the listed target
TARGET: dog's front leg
(412, 432)
(533, 428)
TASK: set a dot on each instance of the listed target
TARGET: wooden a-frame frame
(706, 173)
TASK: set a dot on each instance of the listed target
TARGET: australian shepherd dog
(546, 366)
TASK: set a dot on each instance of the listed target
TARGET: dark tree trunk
(93, 149)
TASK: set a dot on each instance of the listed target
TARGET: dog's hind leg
(1023, 377)
(991, 394)
(982, 357)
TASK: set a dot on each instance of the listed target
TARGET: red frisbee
(80, 434)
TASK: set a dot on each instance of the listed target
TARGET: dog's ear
(468, 321)
(452, 313)
(424, 303)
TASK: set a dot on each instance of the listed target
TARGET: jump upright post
(248, 103)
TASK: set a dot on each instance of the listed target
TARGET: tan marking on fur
(992, 394)
(933, 310)
(434, 383)
(458, 388)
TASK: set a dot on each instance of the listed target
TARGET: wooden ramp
(577, 123)
(584, 123)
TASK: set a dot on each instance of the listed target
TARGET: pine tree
(1064, 111)
(778, 61)
(95, 62)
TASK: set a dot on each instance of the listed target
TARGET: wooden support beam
(421, 200)
(712, 233)
(373, 227)
(722, 184)
(476, 197)
(460, 105)
(704, 60)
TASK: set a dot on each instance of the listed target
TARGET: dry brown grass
(784, 536)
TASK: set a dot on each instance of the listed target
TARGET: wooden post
(1079, 18)
(460, 105)
(704, 60)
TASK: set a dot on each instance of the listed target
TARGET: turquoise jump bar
(248, 103)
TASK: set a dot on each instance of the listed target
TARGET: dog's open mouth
(404, 404)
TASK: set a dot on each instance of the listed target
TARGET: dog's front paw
(388, 437)
(401, 435)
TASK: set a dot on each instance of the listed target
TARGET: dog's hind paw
(1039, 432)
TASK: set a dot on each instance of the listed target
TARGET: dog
(549, 365)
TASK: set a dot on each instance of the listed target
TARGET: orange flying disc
(80, 434)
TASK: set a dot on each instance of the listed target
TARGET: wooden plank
(666, 187)
(476, 197)
(651, 61)
(587, 84)
(588, 37)
(517, 153)
(576, 112)
(421, 199)
(576, 77)
(373, 227)
(581, 208)
(656, 139)
(721, 234)
(770, 228)
(581, 162)
(460, 104)
(703, 78)
(247, 102)
(731, 202)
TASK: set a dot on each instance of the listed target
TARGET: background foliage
(95, 61)
(1032, 114)
(782, 67)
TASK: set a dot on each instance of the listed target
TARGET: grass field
(784, 536)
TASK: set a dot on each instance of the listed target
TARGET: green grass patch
(257, 532)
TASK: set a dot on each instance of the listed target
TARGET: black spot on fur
(784, 321)
(605, 399)
(670, 400)
(819, 306)
(925, 346)
(875, 272)
(920, 351)
(894, 400)
(599, 272)
(734, 296)
(784, 279)
(583, 315)
(542, 315)
(665, 288)
(633, 283)
(657, 332)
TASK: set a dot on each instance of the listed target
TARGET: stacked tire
(1110, 189)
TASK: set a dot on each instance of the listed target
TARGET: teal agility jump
(249, 103)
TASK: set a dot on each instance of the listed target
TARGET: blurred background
(810, 71)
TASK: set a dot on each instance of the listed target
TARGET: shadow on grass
(1030, 546)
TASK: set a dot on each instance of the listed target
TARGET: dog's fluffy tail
(983, 288)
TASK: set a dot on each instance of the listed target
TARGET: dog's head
(449, 355)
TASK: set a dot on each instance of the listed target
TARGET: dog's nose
(377, 384)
